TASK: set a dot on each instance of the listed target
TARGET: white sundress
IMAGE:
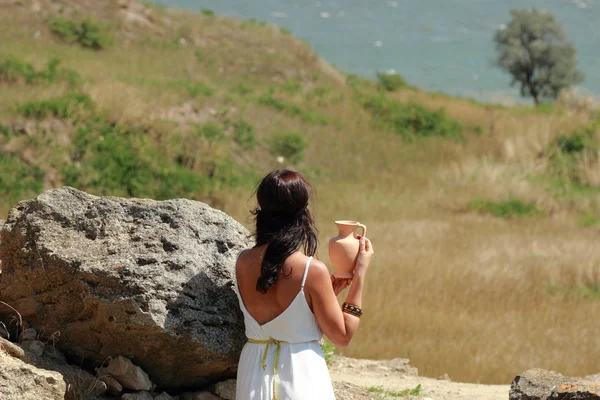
(283, 359)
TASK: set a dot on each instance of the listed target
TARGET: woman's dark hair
(283, 222)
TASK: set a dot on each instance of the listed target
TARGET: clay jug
(343, 249)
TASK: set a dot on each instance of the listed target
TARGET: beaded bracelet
(352, 310)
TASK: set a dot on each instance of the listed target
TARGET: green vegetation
(290, 145)
(535, 51)
(411, 119)
(120, 160)
(391, 82)
(212, 131)
(328, 351)
(195, 89)
(588, 220)
(86, 32)
(576, 142)
(572, 157)
(18, 178)
(584, 291)
(17, 71)
(504, 209)
(417, 391)
(207, 13)
(292, 109)
(243, 134)
(69, 106)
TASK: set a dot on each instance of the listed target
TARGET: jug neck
(346, 229)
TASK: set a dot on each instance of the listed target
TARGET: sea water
(437, 45)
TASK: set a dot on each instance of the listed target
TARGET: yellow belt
(263, 361)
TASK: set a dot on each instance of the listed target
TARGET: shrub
(87, 32)
(504, 209)
(411, 119)
(117, 160)
(576, 142)
(208, 13)
(18, 179)
(571, 156)
(290, 145)
(211, 131)
(293, 110)
(391, 82)
(243, 134)
(14, 70)
(70, 105)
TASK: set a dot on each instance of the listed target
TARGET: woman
(289, 300)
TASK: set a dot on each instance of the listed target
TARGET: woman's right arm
(338, 326)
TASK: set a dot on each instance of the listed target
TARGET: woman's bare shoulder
(317, 273)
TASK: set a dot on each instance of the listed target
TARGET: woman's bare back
(265, 307)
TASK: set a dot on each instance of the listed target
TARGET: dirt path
(396, 375)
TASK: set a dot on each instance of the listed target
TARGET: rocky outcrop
(151, 281)
(539, 384)
(19, 380)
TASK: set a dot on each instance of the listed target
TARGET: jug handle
(364, 230)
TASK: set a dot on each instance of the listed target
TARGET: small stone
(198, 396)
(137, 396)
(164, 396)
(445, 377)
(28, 334)
(11, 348)
(112, 386)
(129, 375)
(226, 389)
(34, 347)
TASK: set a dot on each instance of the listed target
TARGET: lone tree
(534, 49)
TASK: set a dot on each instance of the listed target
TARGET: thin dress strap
(306, 271)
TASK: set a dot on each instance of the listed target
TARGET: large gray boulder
(148, 280)
(539, 384)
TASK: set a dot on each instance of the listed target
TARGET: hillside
(485, 218)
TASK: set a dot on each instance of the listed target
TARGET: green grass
(122, 161)
(328, 351)
(243, 134)
(207, 13)
(504, 209)
(588, 220)
(212, 131)
(293, 109)
(195, 89)
(417, 391)
(15, 70)
(85, 32)
(68, 106)
(18, 178)
(411, 119)
(290, 145)
(591, 292)
(391, 82)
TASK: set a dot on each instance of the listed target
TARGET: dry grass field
(463, 281)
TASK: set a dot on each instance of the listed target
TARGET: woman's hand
(339, 284)
(365, 253)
